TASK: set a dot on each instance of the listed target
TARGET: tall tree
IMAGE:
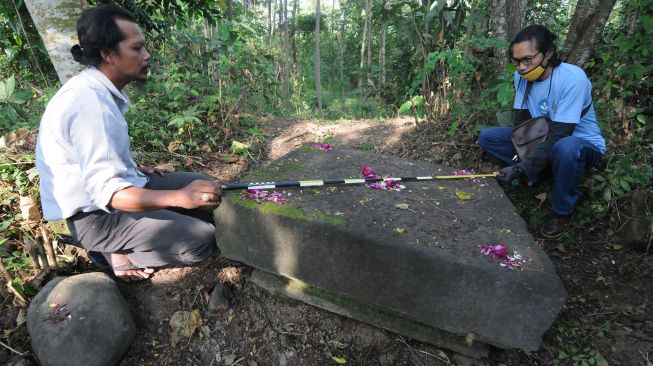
(384, 29)
(341, 46)
(586, 26)
(361, 68)
(56, 21)
(318, 84)
(286, 53)
(508, 18)
(270, 23)
(369, 47)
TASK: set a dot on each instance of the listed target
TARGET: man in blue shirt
(562, 93)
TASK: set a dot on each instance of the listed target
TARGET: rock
(422, 264)
(283, 361)
(80, 320)
(220, 298)
(638, 209)
(20, 362)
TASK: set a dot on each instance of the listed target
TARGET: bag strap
(586, 109)
(529, 85)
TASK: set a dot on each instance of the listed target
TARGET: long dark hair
(97, 30)
(544, 41)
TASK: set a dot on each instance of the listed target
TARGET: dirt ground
(609, 308)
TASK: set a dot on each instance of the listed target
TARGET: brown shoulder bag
(526, 135)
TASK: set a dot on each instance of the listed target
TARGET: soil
(608, 309)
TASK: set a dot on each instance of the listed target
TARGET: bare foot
(125, 270)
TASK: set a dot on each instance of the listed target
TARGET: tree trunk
(341, 46)
(508, 18)
(384, 29)
(369, 46)
(229, 9)
(318, 85)
(363, 42)
(296, 66)
(586, 26)
(286, 51)
(56, 22)
(270, 24)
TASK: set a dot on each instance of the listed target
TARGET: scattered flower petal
(260, 196)
(59, 313)
(388, 185)
(514, 261)
(323, 146)
(467, 172)
(368, 173)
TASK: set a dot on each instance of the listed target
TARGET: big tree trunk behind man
(508, 18)
(56, 21)
(586, 26)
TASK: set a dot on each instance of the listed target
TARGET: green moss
(277, 170)
(289, 211)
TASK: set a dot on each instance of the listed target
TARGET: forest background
(221, 68)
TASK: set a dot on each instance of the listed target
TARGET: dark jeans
(150, 238)
(570, 158)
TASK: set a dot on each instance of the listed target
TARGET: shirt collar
(93, 72)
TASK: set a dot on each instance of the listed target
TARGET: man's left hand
(154, 170)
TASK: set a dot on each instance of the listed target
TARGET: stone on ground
(637, 232)
(415, 253)
(80, 320)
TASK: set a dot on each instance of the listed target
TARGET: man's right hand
(511, 176)
(200, 193)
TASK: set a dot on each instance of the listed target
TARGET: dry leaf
(230, 359)
(401, 206)
(463, 195)
(189, 163)
(173, 146)
(228, 158)
(541, 197)
(184, 324)
(400, 230)
(29, 210)
(168, 167)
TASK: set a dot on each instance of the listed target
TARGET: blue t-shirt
(562, 97)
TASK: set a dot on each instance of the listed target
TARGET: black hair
(97, 30)
(543, 39)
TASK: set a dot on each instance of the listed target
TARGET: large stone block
(422, 263)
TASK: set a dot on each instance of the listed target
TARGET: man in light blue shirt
(136, 218)
(562, 93)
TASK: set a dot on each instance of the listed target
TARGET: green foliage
(10, 101)
(573, 340)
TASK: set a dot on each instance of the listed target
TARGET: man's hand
(152, 170)
(512, 176)
(200, 193)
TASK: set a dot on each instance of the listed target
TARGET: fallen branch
(12, 350)
(49, 249)
(294, 136)
(21, 299)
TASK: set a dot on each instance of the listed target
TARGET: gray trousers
(150, 238)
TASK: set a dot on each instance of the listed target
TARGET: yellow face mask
(533, 74)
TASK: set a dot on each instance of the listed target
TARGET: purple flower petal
(323, 146)
(260, 196)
